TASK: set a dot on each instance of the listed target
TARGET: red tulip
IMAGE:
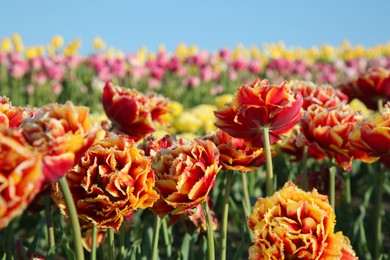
(260, 105)
(132, 112)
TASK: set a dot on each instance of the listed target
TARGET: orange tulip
(323, 95)
(327, 133)
(370, 87)
(111, 181)
(372, 136)
(185, 174)
(260, 105)
(21, 174)
(235, 154)
(12, 116)
(62, 133)
(293, 224)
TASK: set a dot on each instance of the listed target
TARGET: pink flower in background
(57, 89)
(225, 54)
(233, 75)
(206, 73)
(216, 90)
(154, 83)
(255, 67)
(157, 72)
(17, 67)
(192, 82)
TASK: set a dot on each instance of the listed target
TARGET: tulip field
(261, 152)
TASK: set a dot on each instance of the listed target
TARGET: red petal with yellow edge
(377, 138)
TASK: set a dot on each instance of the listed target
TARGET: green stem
(378, 214)
(111, 247)
(73, 218)
(304, 169)
(332, 188)
(156, 230)
(225, 213)
(210, 232)
(49, 222)
(93, 246)
(167, 241)
(348, 198)
(268, 162)
(247, 201)
(122, 242)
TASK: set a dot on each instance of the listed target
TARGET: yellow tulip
(98, 44)
(6, 45)
(31, 53)
(221, 100)
(181, 51)
(57, 41)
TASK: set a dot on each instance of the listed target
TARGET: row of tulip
(187, 75)
(118, 176)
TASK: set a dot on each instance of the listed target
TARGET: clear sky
(211, 25)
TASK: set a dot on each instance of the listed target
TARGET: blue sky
(211, 25)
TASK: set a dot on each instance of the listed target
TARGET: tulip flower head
(327, 133)
(293, 224)
(370, 87)
(185, 174)
(260, 105)
(131, 112)
(372, 135)
(21, 174)
(111, 181)
(235, 154)
(62, 133)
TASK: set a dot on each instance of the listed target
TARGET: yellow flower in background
(6, 45)
(358, 105)
(187, 122)
(18, 44)
(141, 55)
(98, 44)
(192, 50)
(57, 41)
(187, 136)
(221, 100)
(181, 51)
(327, 51)
(16, 38)
(175, 108)
(205, 113)
(31, 53)
(72, 48)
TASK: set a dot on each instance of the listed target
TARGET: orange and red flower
(185, 174)
(372, 136)
(327, 132)
(235, 154)
(132, 112)
(12, 116)
(323, 95)
(293, 224)
(111, 181)
(260, 105)
(370, 87)
(62, 133)
(20, 174)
